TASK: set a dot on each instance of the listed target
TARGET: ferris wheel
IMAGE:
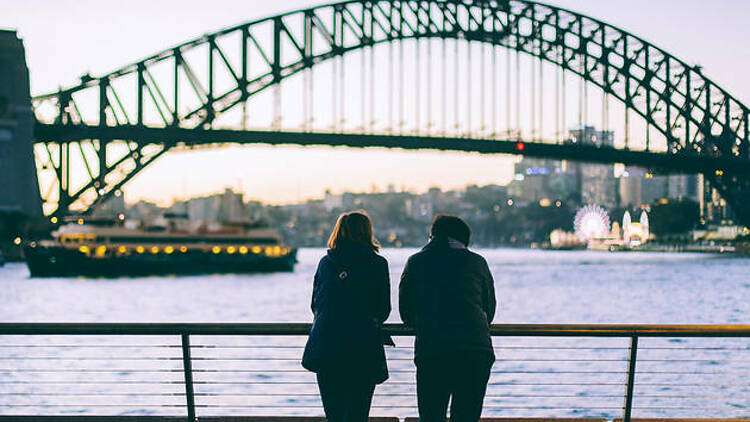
(591, 222)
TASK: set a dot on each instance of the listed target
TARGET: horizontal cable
(558, 348)
(297, 359)
(209, 346)
(493, 384)
(91, 382)
(215, 346)
(92, 358)
(395, 406)
(659, 396)
(692, 373)
(409, 395)
(83, 406)
(719, 409)
(95, 346)
(556, 383)
(96, 394)
(75, 370)
(696, 348)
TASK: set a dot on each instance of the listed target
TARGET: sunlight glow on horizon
(264, 173)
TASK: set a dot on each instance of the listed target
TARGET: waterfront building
(635, 233)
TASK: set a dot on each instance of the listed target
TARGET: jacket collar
(444, 242)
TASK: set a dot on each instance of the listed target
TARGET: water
(532, 286)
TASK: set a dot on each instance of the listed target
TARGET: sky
(67, 38)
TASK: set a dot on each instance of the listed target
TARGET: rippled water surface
(533, 376)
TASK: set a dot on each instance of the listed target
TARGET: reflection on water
(243, 375)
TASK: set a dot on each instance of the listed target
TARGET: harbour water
(533, 377)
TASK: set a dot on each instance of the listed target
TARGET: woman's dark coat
(351, 299)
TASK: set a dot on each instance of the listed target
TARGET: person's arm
(383, 293)
(406, 294)
(490, 302)
(316, 288)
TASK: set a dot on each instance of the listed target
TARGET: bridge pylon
(19, 188)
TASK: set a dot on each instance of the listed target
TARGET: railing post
(631, 379)
(187, 366)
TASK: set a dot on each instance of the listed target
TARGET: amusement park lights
(591, 222)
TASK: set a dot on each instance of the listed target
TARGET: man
(447, 294)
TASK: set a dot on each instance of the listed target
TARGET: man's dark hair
(444, 225)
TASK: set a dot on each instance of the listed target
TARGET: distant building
(537, 179)
(714, 209)
(597, 183)
(631, 186)
(684, 186)
(331, 201)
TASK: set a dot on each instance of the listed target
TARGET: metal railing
(548, 368)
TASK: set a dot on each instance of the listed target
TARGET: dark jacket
(351, 298)
(448, 295)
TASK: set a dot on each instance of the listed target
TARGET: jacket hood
(348, 253)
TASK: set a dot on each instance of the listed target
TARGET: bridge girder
(697, 118)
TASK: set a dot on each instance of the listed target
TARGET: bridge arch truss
(698, 119)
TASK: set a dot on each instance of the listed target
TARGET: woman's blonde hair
(354, 227)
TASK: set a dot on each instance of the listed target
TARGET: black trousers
(461, 378)
(346, 397)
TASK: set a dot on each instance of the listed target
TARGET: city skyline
(291, 174)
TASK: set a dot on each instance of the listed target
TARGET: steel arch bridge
(115, 125)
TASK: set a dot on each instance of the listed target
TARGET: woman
(350, 301)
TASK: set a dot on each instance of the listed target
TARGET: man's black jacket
(448, 295)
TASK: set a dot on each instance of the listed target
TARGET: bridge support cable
(334, 95)
(495, 77)
(342, 94)
(482, 81)
(508, 91)
(456, 85)
(581, 83)
(417, 83)
(558, 130)
(541, 95)
(444, 87)
(401, 92)
(305, 101)
(564, 99)
(363, 91)
(649, 107)
(518, 131)
(532, 97)
(469, 93)
(429, 87)
(391, 105)
(373, 122)
(311, 98)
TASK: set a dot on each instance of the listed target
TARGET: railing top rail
(290, 329)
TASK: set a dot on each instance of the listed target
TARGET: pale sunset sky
(67, 38)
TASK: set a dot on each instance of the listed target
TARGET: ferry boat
(112, 249)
